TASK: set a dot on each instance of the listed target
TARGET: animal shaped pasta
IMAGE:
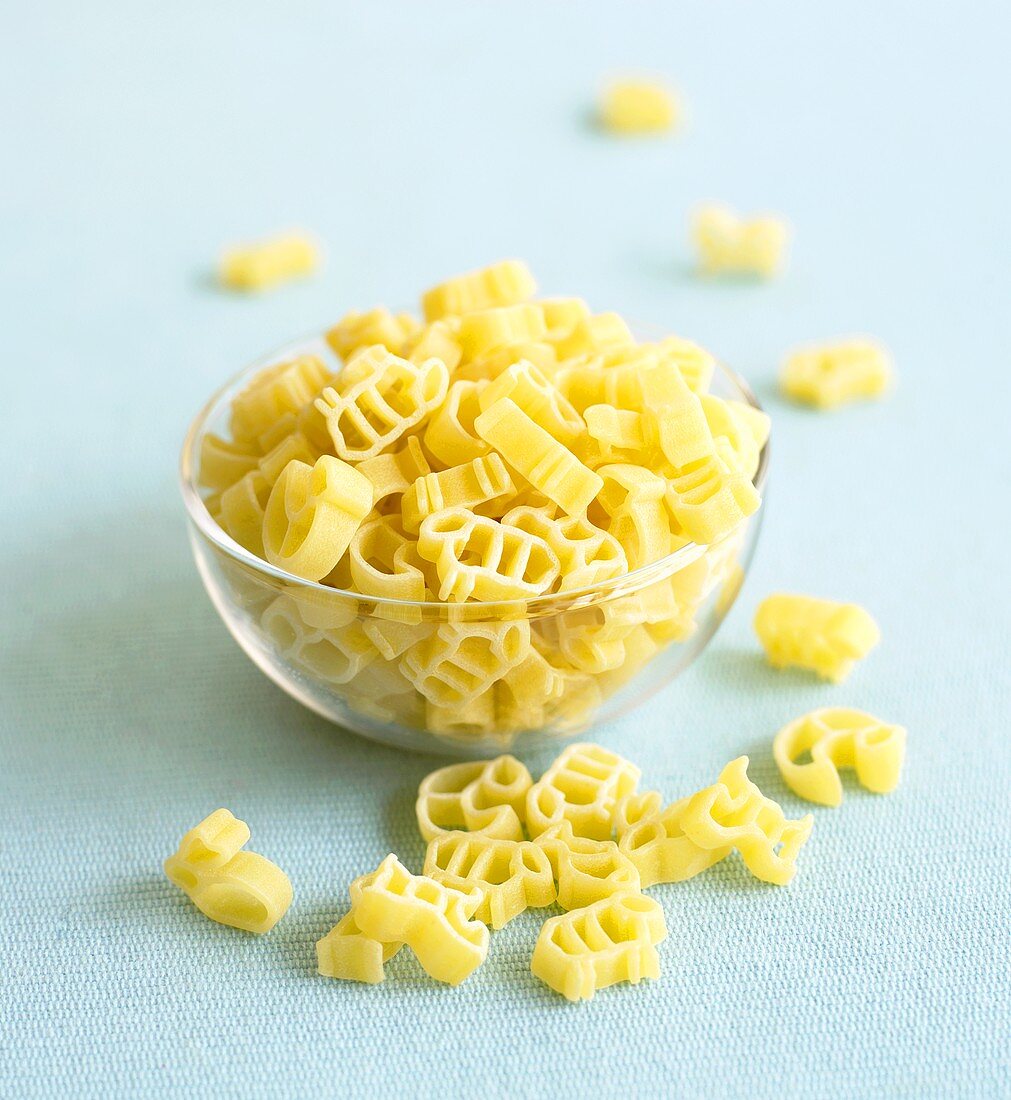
(582, 787)
(267, 263)
(661, 851)
(727, 244)
(477, 482)
(230, 886)
(482, 797)
(362, 330)
(511, 875)
(821, 635)
(708, 500)
(346, 952)
(585, 870)
(612, 941)
(501, 284)
(394, 906)
(829, 375)
(637, 107)
(733, 813)
(839, 737)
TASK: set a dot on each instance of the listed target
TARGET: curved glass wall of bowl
(466, 679)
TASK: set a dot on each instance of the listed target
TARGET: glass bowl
(510, 676)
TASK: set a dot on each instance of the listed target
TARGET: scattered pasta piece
(269, 262)
(611, 941)
(661, 851)
(638, 107)
(394, 906)
(729, 245)
(482, 797)
(733, 813)
(241, 889)
(346, 952)
(821, 635)
(829, 375)
(586, 870)
(837, 737)
(511, 875)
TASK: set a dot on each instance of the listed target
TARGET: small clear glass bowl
(508, 676)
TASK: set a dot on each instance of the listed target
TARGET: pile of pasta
(501, 450)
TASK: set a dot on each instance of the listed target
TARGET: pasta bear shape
(503, 284)
(637, 107)
(394, 906)
(547, 464)
(457, 662)
(729, 245)
(582, 787)
(708, 500)
(661, 851)
(480, 558)
(612, 941)
(476, 482)
(241, 889)
(586, 870)
(829, 375)
(733, 813)
(528, 388)
(268, 263)
(586, 555)
(346, 952)
(824, 636)
(511, 875)
(312, 514)
(285, 388)
(356, 330)
(485, 797)
(838, 737)
(381, 398)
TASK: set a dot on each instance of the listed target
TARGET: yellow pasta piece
(661, 851)
(631, 507)
(562, 315)
(312, 514)
(744, 428)
(346, 952)
(586, 554)
(638, 107)
(242, 508)
(482, 479)
(708, 500)
(488, 367)
(481, 558)
(694, 363)
(511, 875)
(241, 889)
(611, 941)
(486, 797)
(435, 341)
(588, 639)
(387, 397)
(292, 448)
(677, 429)
(538, 456)
(828, 375)
(269, 262)
(458, 662)
(821, 635)
(394, 906)
(586, 870)
(582, 787)
(450, 434)
(733, 813)
(487, 329)
(356, 330)
(632, 809)
(838, 737)
(335, 655)
(222, 462)
(474, 719)
(395, 471)
(731, 245)
(377, 562)
(595, 333)
(503, 284)
(285, 388)
(528, 388)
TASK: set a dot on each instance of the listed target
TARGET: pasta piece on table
(638, 107)
(729, 245)
(487, 797)
(829, 375)
(269, 262)
(661, 851)
(586, 870)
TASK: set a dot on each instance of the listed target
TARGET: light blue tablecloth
(419, 140)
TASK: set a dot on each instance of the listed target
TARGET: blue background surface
(418, 140)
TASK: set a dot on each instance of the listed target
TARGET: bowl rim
(314, 343)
